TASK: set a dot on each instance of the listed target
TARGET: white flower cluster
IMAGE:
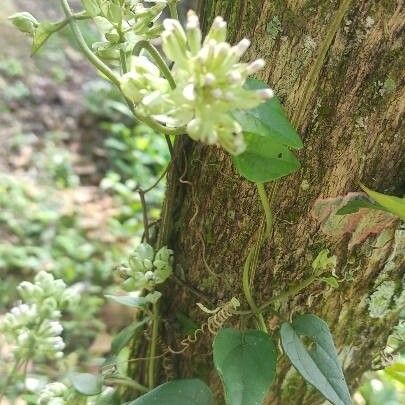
(146, 269)
(53, 394)
(209, 83)
(34, 326)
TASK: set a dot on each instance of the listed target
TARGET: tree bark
(336, 66)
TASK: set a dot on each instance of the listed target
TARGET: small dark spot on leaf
(280, 155)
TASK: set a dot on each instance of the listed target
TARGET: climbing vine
(196, 86)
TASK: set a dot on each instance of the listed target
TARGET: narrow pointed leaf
(246, 363)
(393, 204)
(319, 365)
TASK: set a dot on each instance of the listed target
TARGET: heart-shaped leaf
(268, 119)
(246, 362)
(318, 365)
(265, 160)
(179, 392)
(86, 384)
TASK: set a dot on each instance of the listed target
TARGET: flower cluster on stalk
(33, 326)
(146, 268)
(209, 81)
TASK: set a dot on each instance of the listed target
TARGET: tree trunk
(336, 66)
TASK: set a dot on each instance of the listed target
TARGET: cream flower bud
(193, 32)
(241, 47)
(265, 94)
(217, 31)
(216, 93)
(255, 66)
(209, 79)
(189, 92)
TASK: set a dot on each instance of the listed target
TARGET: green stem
(103, 68)
(123, 61)
(100, 65)
(294, 290)
(173, 10)
(248, 294)
(266, 208)
(10, 377)
(153, 344)
(154, 53)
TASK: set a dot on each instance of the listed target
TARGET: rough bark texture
(336, 65)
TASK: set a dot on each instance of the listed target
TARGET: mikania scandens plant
(196, 85)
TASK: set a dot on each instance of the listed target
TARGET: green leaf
(319, 365)
(86, 384)
(246, 362)
(269, 119)
(265, 160)
(129, 300)
(393, 204)
(179, 392)
(92, 7)
(331, 281)
(354, 205)
(124, 337)
(41, 34)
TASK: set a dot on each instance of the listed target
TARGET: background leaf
(179, 392)
(86, 384)
(246, 362)
(265, 160)
(318, 365)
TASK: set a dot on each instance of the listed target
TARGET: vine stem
(100, 65)
(294, 290)
(266, 208)
(248, 293)
(115, 79)
(152, 353)
(157, 57)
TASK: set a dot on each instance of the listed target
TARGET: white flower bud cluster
(123, 24)
(209, 84)
(34, 326)
(146, 269)
(53, 394)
